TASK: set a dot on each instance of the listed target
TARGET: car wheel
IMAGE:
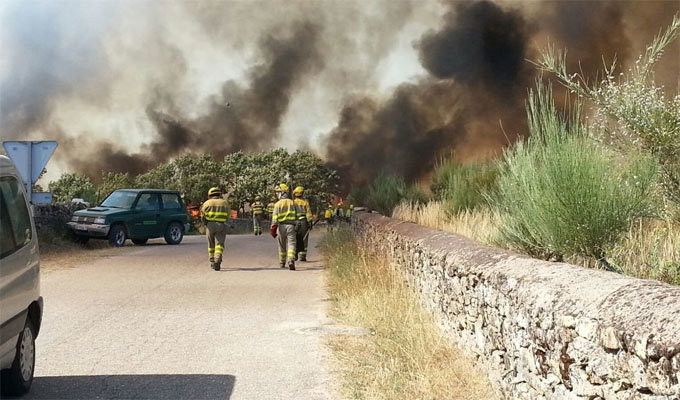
(140, 242)
(174, 233)
(117, 236)
(17, 380)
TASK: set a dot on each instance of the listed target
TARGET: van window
(16, 221)
(7, 245)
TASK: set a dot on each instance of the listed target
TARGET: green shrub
(111, 181)
(358, 196)
(464, 186)
(631, 112)
(70, 186)
(385, 193)
(560, 194)
(415, 195)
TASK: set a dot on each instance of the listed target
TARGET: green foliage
(70, 186)
(250, 175)
(415, 195)
(385, 193)
(358, 196)
(631, 111)
(464, 186)
(560, 194)
(242, 176)
(192, 175)
(111, 181)
(159, 177)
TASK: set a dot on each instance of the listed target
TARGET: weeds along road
(155, 322)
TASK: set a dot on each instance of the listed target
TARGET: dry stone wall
(543, 330)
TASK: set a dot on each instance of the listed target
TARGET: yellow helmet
(282, 188)
(299, 191)
(214, 191)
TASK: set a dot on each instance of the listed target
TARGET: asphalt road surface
(155, 322)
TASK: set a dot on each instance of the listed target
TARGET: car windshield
(120, 199)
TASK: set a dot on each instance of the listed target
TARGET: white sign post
(30, 159)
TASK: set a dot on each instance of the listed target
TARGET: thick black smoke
(401, 136)
(477, 65)
(479, 54)
(479, 44)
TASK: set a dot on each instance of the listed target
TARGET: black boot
(303, 257)
(282, 265)
(291, 265)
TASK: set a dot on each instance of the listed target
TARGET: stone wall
(53, 217)
(543, 330)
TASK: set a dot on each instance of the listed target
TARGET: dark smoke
(479, 44)
(239, 118)
(477, 60)
(479, 55)
(75, 58)
(36, 74)
(401, 136)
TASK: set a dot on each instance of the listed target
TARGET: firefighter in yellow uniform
(270, 207)
(215, 212)
(328, 216)
(304, 222)
(258, 214)
(284, 223)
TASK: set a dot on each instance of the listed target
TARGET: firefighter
(258, 210)
(215, 212)
(340, 211)
(304, 223)
(284, 223)
(328, 216)
(270, 207)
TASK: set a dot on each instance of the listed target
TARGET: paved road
(156, 322)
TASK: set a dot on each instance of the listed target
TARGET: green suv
(137, 214)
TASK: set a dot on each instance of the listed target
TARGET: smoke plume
(479, 54)
(372, 86)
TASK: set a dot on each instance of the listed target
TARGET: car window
(18, 220)
(171, 201)
(148, 202)
(120, 199)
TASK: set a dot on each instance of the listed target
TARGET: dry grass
(68, 254)
(405, 356)
(650, 249)
(477, 224)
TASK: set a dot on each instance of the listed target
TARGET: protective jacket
(304, 207)
(285, 212)
(257, 208)
(215, 210)
(270, 208)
